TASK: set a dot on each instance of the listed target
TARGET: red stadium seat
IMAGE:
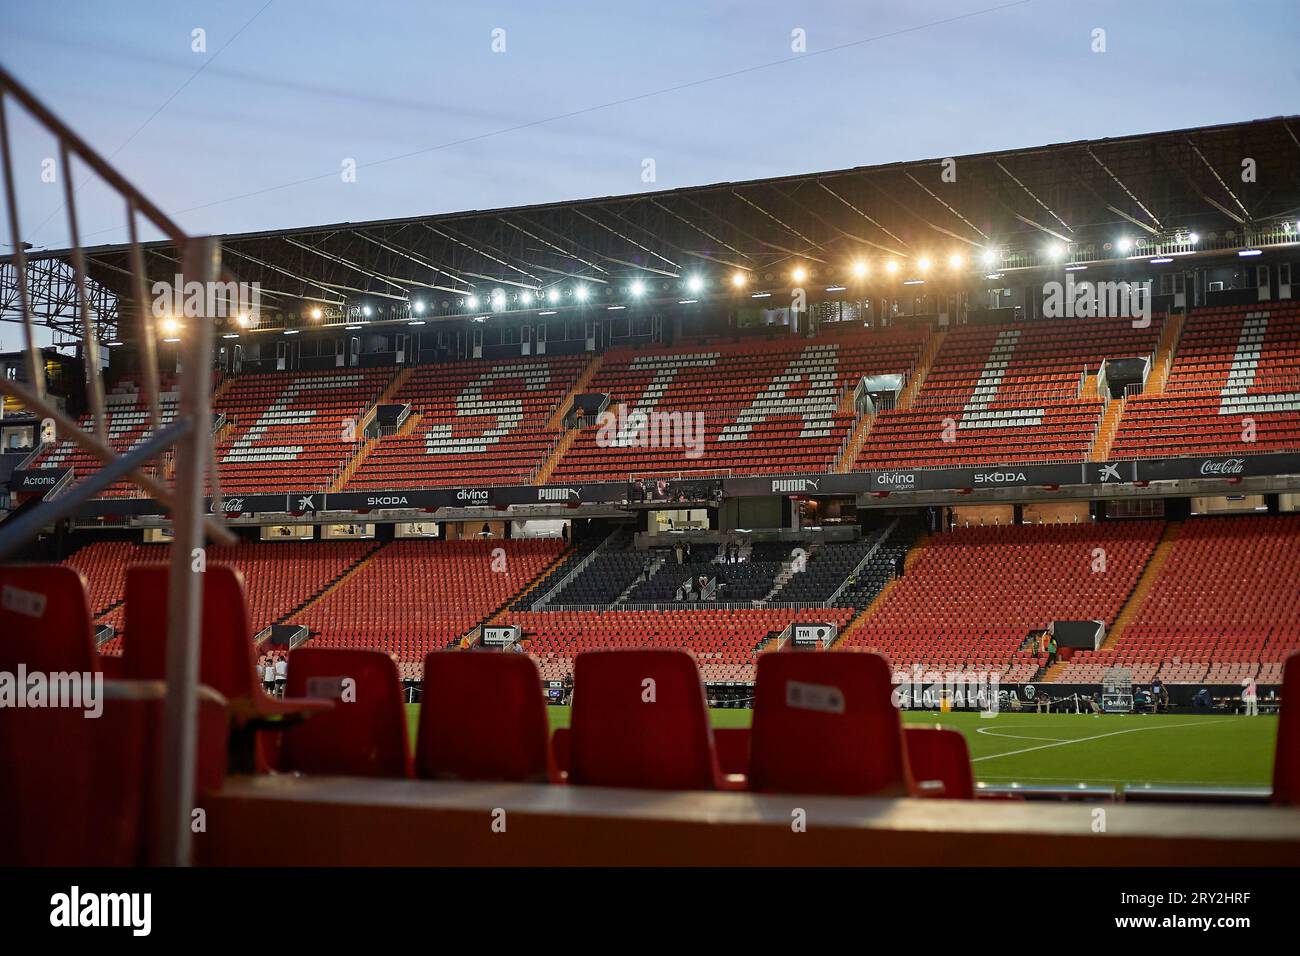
(631, 733)
(128, 761)
(482, 717)
(1286, 762)
(938, 755)
(365, 734)
(45, 753)
(826, 723)
(44, 617)
(227, 662)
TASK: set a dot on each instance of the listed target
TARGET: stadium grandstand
(783, 449)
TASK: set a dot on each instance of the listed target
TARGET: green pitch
(1064, 749)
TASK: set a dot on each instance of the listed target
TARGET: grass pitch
(1066, 749)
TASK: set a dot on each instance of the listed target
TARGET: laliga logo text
(924, 690)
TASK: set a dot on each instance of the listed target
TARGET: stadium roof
(1075, 199)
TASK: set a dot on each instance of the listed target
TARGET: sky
(453, 106)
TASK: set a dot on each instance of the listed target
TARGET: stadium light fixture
(286, 332)
(923, 263)
(956, 261)
(615, 308)
(859, 268)
(226, 335)
(1056, 252)
(581, 292)
(242, 318)
(498, 300)
(990, 257)
(525, 297)
(799, 274)
(694, 283)
(638, 288)
(891, 267)
(365, 310)
(1251, 252)
(1161, 260)
(418, 305)
(553, 294)
(471, 302)
(170, 326)
(687, 301)
(353, 328)
(416, 322)
(761, 295)
(738, 279)
(836, 288)
(1124, 244)
(547, 312)
(1194, 238)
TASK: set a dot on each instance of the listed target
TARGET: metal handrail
(195, 458)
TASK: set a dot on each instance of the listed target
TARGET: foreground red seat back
(825, 723)
(45, 618)
(1286, 762)
(640, 720)
(365, 733)
(46, 753)
(226, 657)
(939, 754)
(482, 717)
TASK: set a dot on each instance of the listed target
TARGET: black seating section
(827, 568)
(883, 565)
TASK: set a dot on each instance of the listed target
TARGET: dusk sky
(253, 132)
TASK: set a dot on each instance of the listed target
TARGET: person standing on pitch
(1250, 697)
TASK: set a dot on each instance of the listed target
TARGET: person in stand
(281, 674)
(686, 549)
(268, 675)
(677, 552)
(1051, 651)
(568, 688)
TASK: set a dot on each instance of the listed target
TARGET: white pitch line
(994, 733)
(1080, 740)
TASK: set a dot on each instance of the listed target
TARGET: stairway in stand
(854, 445)
(1170, 336)
(1131, 608)
(1106, 431)
(932, 346)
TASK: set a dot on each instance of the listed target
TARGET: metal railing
(835, 596)
(190, 433)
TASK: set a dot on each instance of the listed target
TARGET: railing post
(201, 263)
